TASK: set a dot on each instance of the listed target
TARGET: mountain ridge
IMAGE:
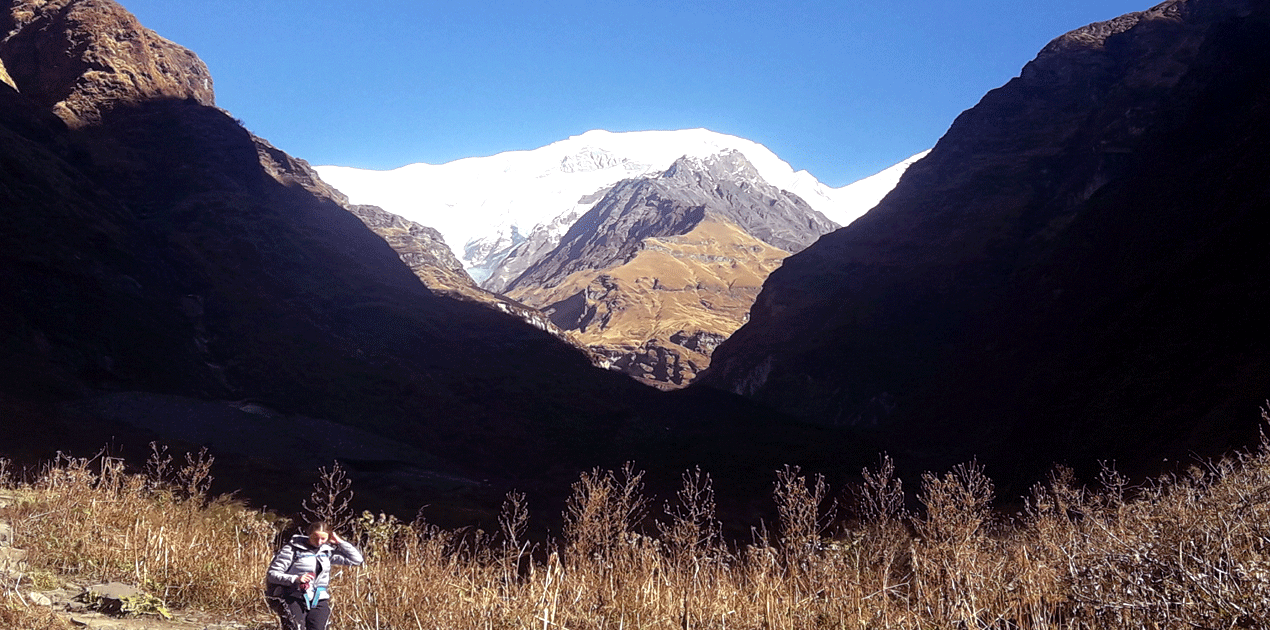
(1042, 283)
(675, 198)
(485, 206)
(111, 59)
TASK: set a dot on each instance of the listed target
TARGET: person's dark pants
(293, 616)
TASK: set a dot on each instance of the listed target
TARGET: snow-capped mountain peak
(484, 205)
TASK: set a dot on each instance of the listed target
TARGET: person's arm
(278, 568)
(345, 553)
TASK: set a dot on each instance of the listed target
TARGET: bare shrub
(1182, 552)
(883, 547)
(693, 527)
(158, 468)
(331, 498)
(880, 497)
(195, 477)
(958, 505)
(513, 523)
(603, 511)
(803, 516)
(1191, 550)
(513, 519)
(955, 564)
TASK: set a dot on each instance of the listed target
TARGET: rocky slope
(422, 248)
(83, 59)
(664, 267)
(1078, 270)
(659, 316)
(525, 251)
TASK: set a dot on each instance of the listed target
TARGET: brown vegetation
(675, 289)
(1186, 551)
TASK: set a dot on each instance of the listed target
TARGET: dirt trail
(66, 600)
(66, 603)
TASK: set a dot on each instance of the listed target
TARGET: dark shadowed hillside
(166, 275)
(1077, 271)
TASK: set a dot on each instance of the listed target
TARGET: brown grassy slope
(676, 292)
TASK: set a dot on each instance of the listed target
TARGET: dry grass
(1190, 551)
(20, 615)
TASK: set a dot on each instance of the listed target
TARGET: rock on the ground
(12, 560)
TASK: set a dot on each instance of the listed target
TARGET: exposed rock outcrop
(81, 58)
(535, 246)
(1077, 271)
(672, 203)
(5, 78)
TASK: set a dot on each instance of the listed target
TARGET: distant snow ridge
(853, 200)
(485, 206)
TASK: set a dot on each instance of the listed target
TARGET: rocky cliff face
(538, 244)
(83, 58)
(663, 267)
(1076, 271)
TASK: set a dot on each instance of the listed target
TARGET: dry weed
(1189, 551)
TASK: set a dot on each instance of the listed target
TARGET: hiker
(300, 573)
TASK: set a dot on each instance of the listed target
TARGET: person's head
(319, 532)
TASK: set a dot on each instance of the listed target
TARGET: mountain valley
(169, 276)
(1074, 274)
(543, 207)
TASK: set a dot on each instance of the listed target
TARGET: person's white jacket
(298, 557)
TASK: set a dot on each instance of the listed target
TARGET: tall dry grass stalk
(88, 517)
(1188, 551)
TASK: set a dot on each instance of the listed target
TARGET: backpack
(279, 591)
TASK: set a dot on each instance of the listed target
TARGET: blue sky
(841, 88)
